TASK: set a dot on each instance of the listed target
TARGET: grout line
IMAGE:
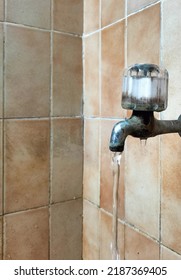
(144, 8)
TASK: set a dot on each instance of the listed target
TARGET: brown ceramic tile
(90, 231)
(133, 6)
(67, 159)
(112, 67)
(171, 198)
(1, 238)
(112, 11)
(167, 254)
(67, 75)
(66, 231)
(107, 170)
(1, 70)
(26, 164)
(106, 237)
(68, 15)
(1, 9)
(92, 76)
(142, 189)
(143, 38)
(27, 72)
(26, 235)
(139, 247)
(91, 15)
(92, 160)
(33, 13)
(170, 52)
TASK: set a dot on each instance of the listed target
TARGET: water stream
(116, 159)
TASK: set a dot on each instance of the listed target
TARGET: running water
(116, 159)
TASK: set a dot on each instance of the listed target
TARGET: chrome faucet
(145, 89)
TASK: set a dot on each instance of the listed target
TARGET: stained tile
(68, 16)
(91, 15)
(1, 69)
(170, 52)
(91, 160)
(112, 11)
(27, 72)
(33, 13)
(139, 247)
(1, 9)
(67, 159)
(107, 171)
(26, 235)
(91, 75)
(142, 188)
(144, 40)
(112, 68)
(167, 254)
(1, 238)
(66, 231)
(67, 75)
(171, 192)
(26, 164)
(133, 6)
(90, 231)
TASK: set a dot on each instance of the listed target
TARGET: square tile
(33, 13)
(143, 42)
(139, 246)
(26, 235)
(66, 230)
(92, 75)
(90, 231)
(67, 161)
(27, 72)
(26, 164)
(112, 11)
(68, 15)
(67, 75)
(91, 174)
(111, 69)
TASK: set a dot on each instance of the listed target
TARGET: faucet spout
(143, 125)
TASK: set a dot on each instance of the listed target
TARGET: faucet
(145, 89)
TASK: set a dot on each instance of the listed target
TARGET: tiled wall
(60, 68)
(149, 227)
(41, 130)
